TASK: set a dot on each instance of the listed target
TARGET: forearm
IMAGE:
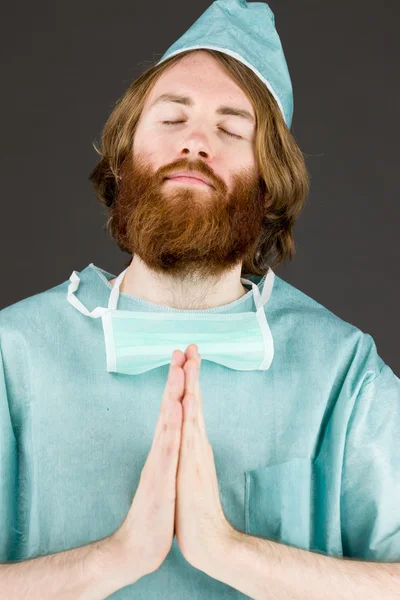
(89, 572)
(263, 569)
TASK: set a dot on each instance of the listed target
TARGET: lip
(188, 177)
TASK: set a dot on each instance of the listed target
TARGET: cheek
(235, 163)
(244, 161)
(154, 146)
(146, 147)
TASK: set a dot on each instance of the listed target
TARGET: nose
(194, 155)
(197, 145)
(201, 153)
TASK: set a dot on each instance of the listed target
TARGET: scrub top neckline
(105, 276)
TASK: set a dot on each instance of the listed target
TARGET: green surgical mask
(137, 341)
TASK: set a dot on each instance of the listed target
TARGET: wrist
(108, 563)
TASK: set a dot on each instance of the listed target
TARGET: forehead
(199, 76)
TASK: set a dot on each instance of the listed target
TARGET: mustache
(196, 167)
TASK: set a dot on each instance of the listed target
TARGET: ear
(268, 202)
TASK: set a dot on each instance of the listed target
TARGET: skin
(178, 493)
(189, 240)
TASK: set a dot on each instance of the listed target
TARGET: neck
(159, 289)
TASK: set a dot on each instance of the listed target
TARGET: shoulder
(35, 308)
(318, 337)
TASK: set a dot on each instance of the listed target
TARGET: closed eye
(239, 137)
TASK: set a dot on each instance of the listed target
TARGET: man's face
(179, 227)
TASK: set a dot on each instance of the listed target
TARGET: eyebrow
(221, 110)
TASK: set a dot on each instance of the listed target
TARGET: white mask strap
(114, 295)
(76, 303)
(261, 299)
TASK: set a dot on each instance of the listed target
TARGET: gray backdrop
(64, 65)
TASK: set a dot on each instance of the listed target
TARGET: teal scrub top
(307, 453)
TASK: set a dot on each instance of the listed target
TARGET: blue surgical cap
(246, 31)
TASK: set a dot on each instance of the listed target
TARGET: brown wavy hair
(280, 161)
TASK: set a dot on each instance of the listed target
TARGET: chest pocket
(278, 502)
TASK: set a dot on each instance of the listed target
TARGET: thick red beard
(178, 230)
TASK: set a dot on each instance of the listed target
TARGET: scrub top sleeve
(8, 474)
(370, 494)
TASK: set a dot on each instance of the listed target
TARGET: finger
(191, 368)
(173, 392)
(192, 352)
(175, 381)
(192, 386)
(178, 357)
